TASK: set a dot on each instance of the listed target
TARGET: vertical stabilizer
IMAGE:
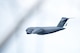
(62, 22)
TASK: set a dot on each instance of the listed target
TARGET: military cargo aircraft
(47, 30)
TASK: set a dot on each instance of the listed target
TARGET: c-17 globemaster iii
(47, 30)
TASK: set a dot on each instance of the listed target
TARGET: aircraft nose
(28, 33)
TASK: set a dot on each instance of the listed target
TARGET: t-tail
(62, 22)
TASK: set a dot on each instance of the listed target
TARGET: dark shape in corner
(47, 30)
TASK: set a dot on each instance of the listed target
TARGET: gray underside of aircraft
(43, 30)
